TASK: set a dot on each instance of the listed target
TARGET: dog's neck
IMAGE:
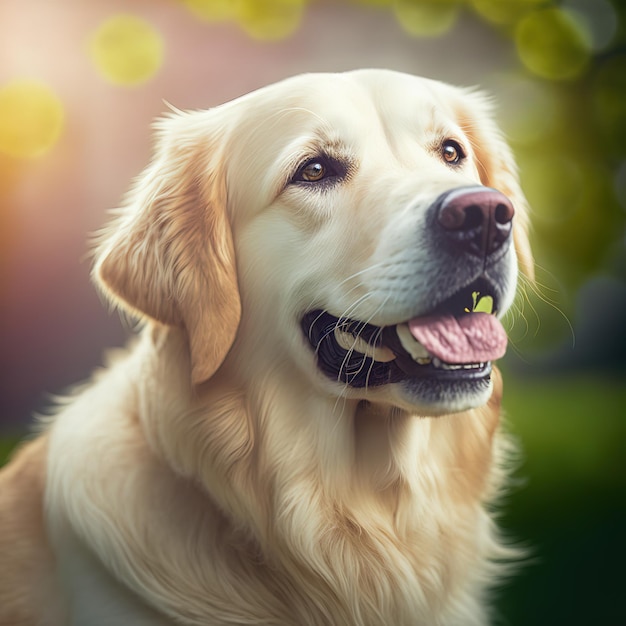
(329, 499)
(355, 456)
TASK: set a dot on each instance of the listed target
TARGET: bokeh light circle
(426, 18)
(212, 10)
(127, 50)
(598, 18)
(551, 44)
(270, 19)
(31, 119)
(504, 11)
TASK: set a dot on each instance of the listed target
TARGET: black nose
(477, 220)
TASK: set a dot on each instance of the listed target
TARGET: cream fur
(210, 474)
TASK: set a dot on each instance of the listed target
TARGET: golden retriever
(306, 431)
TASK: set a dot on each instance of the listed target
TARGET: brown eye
(313, 172)
(452, 152)
(320, 169)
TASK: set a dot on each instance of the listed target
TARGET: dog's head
(361, 231)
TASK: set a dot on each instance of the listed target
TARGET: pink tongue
(473, 338)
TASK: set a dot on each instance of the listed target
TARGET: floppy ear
(497, 169)
(169, 254)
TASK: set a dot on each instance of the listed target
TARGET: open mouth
(456, 341)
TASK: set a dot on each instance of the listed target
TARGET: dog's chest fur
(392, 531)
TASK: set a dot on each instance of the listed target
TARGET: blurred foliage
(552, 44)
(569, 501)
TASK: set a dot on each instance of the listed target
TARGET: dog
(306, 430)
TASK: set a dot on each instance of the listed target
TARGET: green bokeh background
(565, 392)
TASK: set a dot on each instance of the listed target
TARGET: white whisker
(358, 336)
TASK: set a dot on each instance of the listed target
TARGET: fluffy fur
(211, 474)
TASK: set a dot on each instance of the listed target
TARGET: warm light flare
(31, 119)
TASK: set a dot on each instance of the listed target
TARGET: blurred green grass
(567, 502)
(569, 506)
(7, 445)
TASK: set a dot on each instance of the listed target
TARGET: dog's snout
(477, 220)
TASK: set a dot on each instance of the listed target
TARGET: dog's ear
(497, 169)
(169, 253)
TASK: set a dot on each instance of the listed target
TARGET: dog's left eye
(313, 172)
(318, 169)
(452, 152)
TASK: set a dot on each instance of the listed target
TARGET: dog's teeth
(446, 366)
(411, 345)
(351, 343)
(456, 366)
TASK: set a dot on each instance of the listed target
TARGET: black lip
(358, 370)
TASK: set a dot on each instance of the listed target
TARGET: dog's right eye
(318, 169)
(313, 172)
